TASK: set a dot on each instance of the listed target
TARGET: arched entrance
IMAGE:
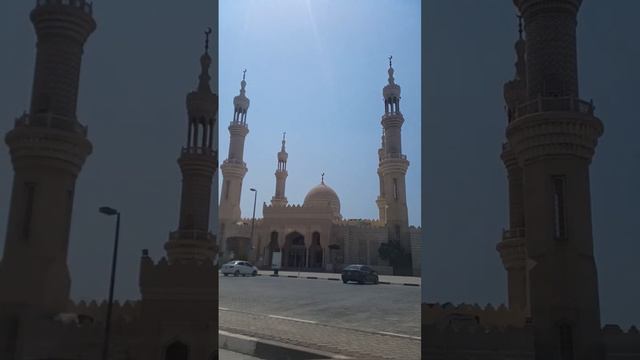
(177, 351)
(315, 252)
(294, 251)
(238, 248)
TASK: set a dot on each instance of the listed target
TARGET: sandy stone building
(176, 317)
(547, 249)
(314, 236)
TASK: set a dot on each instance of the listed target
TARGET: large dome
(322, 195)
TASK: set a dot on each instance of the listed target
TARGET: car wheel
(375, 280)
(255, 273)
(237, 273)
(225, 274)
(345, 281)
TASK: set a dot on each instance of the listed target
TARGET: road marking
(223, 309)
(400, 335)
(293, 319)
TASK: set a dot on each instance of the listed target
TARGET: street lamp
(110, 212)
(253, 219)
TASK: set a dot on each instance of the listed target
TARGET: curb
(336, 279)
(269, 350)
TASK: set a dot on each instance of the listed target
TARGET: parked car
(359, 273)
(239, 267)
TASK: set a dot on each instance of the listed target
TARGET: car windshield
(353, 267)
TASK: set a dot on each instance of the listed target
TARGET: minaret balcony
(193, 235)
(82, 4)
(395, 156)
(51, 121)
(509, 234)
(547, 104)
(199, 150)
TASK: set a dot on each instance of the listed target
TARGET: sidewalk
(384, 279)
(350, 343)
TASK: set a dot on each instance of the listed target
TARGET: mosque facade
(314, 235)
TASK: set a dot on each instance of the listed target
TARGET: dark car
(359, 273)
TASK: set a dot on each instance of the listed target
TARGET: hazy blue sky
(137, 70)
(469, 55)
(316, 70)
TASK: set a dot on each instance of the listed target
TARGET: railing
(51, 121)
(544, 104)
(198, 150)
(82, 4)
(391, 114)
(197, 235)
(234, 161)
(513, 233)
(395, 156)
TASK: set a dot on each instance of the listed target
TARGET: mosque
(314, 235)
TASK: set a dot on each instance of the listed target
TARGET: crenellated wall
(467, 332)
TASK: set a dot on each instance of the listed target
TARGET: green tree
(393, 252)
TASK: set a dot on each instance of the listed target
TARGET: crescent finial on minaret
(206, 41)
(390, 57)
(244, 72)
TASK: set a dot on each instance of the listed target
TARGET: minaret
(553, 135)
(393, 167)
(234, 168)
(198, 163)
(48, 148)
(279, 199)
(512, 248)
(182, 288)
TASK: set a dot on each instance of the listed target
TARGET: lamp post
(253, 219)
(107, 331)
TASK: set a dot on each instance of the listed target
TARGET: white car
(239, 267)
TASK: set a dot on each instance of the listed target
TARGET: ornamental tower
(512, 248)
(234, 168)
(553, 135)
(279, 199)
(392, 168)
(198, 163)
(48, 148)
(183, 289)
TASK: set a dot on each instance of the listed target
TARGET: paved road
(228, 355)
(378, 308)
(410, 280)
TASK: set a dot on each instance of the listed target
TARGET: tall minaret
(198, 163)
(279, 199)
(234, 168)
(48, 149)
(512, 248)
(393, 167)
(553, 136)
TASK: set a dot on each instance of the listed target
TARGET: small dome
(322, 195)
